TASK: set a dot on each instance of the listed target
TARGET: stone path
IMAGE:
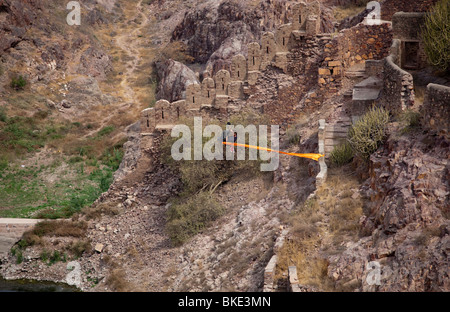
(11, 230)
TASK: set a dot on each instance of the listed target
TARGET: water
(34, 286)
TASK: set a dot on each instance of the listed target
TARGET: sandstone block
(324, 71)
(334, 63)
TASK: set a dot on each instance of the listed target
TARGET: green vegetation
(18, 83)
(26, 192)
(105, 131)
(19, 134)
(341, 155)
(81, 171)
(411, 120)
(436, 35)
(369, 133)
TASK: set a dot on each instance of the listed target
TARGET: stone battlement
(216, 92)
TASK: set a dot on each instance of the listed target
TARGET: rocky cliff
(406, 224)
(173, 78)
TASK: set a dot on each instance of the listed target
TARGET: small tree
(436, 35)
(18, 83)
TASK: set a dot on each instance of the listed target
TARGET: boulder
(174, 77)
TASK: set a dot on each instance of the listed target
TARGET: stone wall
(398, 88)
(436, 109)
(406, 29)
(226, 86)
(352, 46)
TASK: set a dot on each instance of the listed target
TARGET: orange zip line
(315, 157)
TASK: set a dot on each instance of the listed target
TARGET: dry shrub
(60, 228)
(78, 247)
(190, 216)
(109, 208)
(176, 51)
(117, 281)
(311, 271)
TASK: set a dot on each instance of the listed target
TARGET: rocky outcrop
(15, 17)
(207, 27)
(173, 78)
(216, 31)
(95, 62)
(406, 226)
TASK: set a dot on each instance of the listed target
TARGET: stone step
(369, 83)
(355, 74)
(366, 94)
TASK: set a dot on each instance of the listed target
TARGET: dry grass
(107, 208)
(59, 228)
(319, 227)
(117, 280)
(342, 12)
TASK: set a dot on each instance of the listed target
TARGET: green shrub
(410, 120)
(105, 131)
(4, 163)
(341, 155)
(369, 133)
(188, 217)
(18, 83)
(3, 116)
(436, 35)
(112, 158)
(19, 257)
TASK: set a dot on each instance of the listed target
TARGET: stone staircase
(336, 133)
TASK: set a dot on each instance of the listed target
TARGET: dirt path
(129, 43)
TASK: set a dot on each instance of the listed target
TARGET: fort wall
(436, 109)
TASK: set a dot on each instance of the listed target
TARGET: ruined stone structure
(382, 53)
(407, 53)
(11, 231)
(436, 109)
(216, 92)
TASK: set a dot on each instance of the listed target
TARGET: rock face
(95, 62)
(216, 31)
(173, 78)
(407, 225)
(205, 28)
(15, 16)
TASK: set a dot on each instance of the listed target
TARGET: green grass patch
(105, 131)
(19, 135)
(26, 192)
